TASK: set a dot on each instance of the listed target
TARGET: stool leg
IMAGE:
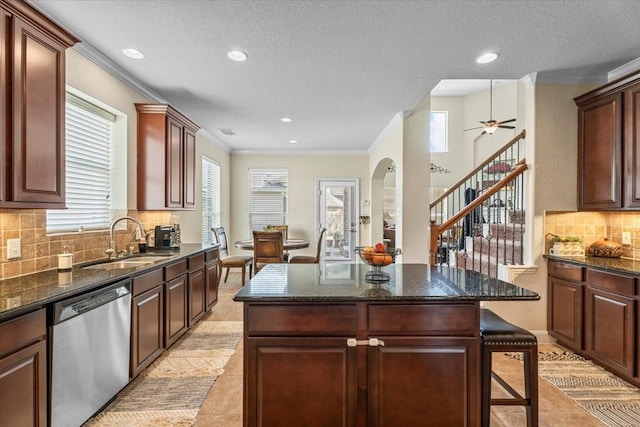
(485, 410)
(244, 270)
(531, 385)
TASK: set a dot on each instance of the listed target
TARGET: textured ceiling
(340, 69)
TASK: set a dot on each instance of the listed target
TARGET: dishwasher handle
(72, 307)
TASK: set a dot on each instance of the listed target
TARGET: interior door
(338, 212)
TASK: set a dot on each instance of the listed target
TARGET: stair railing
(479, 222)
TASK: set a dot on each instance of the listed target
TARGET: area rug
(171, 390)
(612, 400)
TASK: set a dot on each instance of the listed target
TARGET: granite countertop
(347, 282)
(615, 265)
(26, 293)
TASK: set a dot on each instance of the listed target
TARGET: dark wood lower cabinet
(23, 371)
(338, 365)
(175, 309)
(147, 328)
(565, 312)
(197, 305)
(610, 330)
(211, 277)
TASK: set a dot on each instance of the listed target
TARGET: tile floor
(223, 405)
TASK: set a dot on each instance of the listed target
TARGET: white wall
(303, 174)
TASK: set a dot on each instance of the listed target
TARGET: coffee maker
(165, 237)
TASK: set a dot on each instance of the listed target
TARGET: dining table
(289, 244)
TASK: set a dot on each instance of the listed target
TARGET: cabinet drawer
(613, 282)
(147, 281)
(301, 319)
(22, 331)
(174, 270)
(212, 255)
(428, 319)
(566, 271)
(196, 261)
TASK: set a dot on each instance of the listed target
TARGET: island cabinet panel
(362, 363)
(300, 382)
(32, 106)
(23, 371)
(610, 330)
(413, 380)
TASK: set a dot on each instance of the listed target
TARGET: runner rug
(171, 391)
(612, 400)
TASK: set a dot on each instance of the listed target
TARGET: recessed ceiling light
(133, 53)
(486, 58)
(293, 141)
(237, 55)
(286, 119)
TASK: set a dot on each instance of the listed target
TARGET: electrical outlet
(13, 248)
(626, 238)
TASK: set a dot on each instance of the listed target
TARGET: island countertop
(347, 282)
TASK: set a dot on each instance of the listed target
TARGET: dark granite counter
(26, 293)
(614, 265)
(346, 282)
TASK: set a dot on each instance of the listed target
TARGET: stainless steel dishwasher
(90, 352)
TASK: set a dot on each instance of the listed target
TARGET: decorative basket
(377, 260)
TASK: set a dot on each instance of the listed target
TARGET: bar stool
(498, 335)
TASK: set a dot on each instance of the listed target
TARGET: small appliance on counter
(166, 237)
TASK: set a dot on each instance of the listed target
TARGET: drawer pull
(371, 342)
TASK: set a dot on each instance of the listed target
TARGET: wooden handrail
(461, 182)
(438, 229)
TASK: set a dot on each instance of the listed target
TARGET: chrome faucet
(112, 243)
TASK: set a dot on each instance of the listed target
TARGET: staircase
(478, 223)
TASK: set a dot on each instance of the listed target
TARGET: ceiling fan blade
(479, 127)
(507, 121)
(506, 127)
(485, 123)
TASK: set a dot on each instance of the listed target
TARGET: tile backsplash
(594, 226)
(39, 250)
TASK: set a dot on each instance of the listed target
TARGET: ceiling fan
(490, 126)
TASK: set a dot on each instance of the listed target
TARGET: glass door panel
(338, 213)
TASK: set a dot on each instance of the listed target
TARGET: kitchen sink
(127, 263)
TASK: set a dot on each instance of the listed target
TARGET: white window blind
(268, 198)
(210, 199)
(88, 147)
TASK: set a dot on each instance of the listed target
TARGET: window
(268, 198)
(210, 199)
(438, 138)
(89, 144)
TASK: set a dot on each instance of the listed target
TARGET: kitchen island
(324, 347)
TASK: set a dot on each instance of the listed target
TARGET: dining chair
(231, 261)
(285, 234)
(307, 259)
(268, 248)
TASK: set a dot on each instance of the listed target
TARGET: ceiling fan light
(490, 129)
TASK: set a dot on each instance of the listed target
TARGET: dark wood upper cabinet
(608, 152)
(32, 108)
(166, 158)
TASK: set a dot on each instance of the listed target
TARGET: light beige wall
(303, 174)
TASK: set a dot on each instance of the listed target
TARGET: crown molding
(624, 69)
(301, 152)
(98, 58)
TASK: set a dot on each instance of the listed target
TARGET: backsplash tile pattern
(39, 251)
(594, 226)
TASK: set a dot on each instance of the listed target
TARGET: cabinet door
(211, 279)
(196, 295)
(632, 146)
(23, 387)
(176, 321)
(600, 154)
(189, 199)
(424, 381)
(610, 329)
(147, 328)
(174, 163)
(565, 312)
(38, 163)
(300, 382)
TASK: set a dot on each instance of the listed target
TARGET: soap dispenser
(65, 260)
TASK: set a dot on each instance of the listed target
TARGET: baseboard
(544, 337)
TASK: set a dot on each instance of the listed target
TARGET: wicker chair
(306, 259)
(231, 261)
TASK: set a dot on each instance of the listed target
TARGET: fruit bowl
(377, 259)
